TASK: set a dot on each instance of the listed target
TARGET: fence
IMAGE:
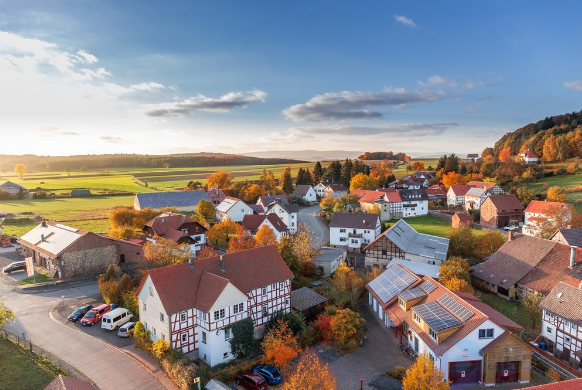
(565, 373)
(28, 344)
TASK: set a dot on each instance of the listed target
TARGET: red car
(94, 315)
(251, 381)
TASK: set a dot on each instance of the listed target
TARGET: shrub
(397, 373)
(181, 372)
(347, 329)
(242, 340)
(142, 337)
(160, 348)
(310, 335)
(307, 268)
(295, 321)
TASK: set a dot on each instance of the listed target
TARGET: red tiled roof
(435, 190)
(167, 223)
(368, 196)
(466, 296)
(541, 207)
(528, 154)
(481, 184)
(386, 190)
(212, 286)
(464, 217)
(505, 202)
(393, 197)
(460, 189)
(572, 384)
(216, 195)
(178, 286)
(337, 187)
(253, 222)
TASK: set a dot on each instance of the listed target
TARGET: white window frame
(227, 334)
(162, 317)
(183, 336)
(183, 316)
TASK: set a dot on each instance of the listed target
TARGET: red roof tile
(505, 202)
(253, 222)
(460, 189)
(528, 154)
(540, 207)
(481, 184)
(169, 226)
(572, 384)
(368, 196)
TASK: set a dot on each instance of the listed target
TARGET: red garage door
(465, 372)
(507, 372)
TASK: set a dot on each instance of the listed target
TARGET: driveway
(309, 216)
(378, 354)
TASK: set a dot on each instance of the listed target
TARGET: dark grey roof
(301, 189)
(572, 236)
(304, 298)
(354, 220)
(413, 195)
(80, 192)
(267, 200)
(291, 207)
(329, 255)
(9, 184)
(565, 301)
(158, 200)
(410, 241)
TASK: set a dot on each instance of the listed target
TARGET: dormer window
(401, 303)
(416, 317)
(432, 333)
(185, 231)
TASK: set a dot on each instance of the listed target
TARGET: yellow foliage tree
(556, 194)
(418, 166)
(265, 236)
(166, 252)
(455, 284)
(279, 345)
(347, 329)
(423, 375)
(310, 374)
(362, 181)
(243, 240)
(453, 178)
(205, 209)
(220, 179)
(20, 170)
(220, 232)
(160, 348)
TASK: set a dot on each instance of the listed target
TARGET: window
(184, 337)
(485, 333)
(401, 302)
(227, 334)
(151, 291)
(204, 337)
(265, 311)
(549, 330)
(566, 340)
(574, 327)
(242, 210)
(185, 231)
(163, 336)
(264, 291)
(342, 230)
(416, 318)
(225, 355)
(567, 323)
(432, 333)
(237, 308)
(343, 239)
(154, 331)
(273, 286)
(281, 285)
(286, 302)
(218, 314)
(144, 307)
(161, 317)
(183, 317)
(292, 224)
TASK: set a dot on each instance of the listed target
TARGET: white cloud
(186, 107)
(575, 85)
(403, 130)
(437, 80)
(355, 105)
(86, 57)
(445, 81)
(404, 20)
(149, 86)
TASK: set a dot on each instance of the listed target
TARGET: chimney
(509, 235)
(43, 224)
(222, 263)
(573, 256)
(42, 237)
(163, 220)
(191, 263)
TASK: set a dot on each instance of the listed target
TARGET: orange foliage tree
(347, 329)
(423, 375)
(220, 179)
(556, 194)
(362, 181)
(453, 178)
(418, 166)
(243, 240)
(504, 154)
(220, 232)
(206, 252)
(279, 345)
(310, 374)
(265, 236)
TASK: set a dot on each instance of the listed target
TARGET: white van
(115, 318)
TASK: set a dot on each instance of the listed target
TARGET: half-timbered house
(192, 305)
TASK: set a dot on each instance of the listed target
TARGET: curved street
(309, 216)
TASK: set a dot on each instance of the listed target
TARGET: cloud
(51, 131)
(149, 86)
(445, 81)
(404, 20)
(575, 85)
(403, 130)
(113, 140)
(437, 80)
(227, 102)
(354, 105)
(86, 57)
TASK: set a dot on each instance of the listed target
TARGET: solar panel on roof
(391, 282)
(413, 293)
(455, 307)
(427, 287)
(436, 316)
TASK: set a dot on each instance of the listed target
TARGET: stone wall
(90, 255)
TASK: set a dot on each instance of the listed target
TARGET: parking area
(10, 255)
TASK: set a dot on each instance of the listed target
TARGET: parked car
(270, 373)
(115, 318)
(79, 312)
(16, 266)
(251, 381)
(511, 227)
(126, 330)
(94, 315)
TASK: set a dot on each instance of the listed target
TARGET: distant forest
(553, 138)
(382, 156)
(108, 161)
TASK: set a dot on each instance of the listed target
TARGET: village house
(569, 236)
(12, 188)
(419, 269)
(305, 192)
(67, 252)
(191, 305)
(436, 193)
(492, 188)
(468, 340)
(307, 302)
(461, 219)
(562, 323)
(353, 230)
(475, 197)
(471, 158)
(252, 223)
(216, 195)
(394, 200)
(233, 209)
(373, 202)
(414, 202)
(539, 213)
(329, 259)
(177, 228)
(185, 201)
(526, 264)
(267, 200)
(499, 211)
(289, 214)
(319, 188)
(529, 157)
(456, 195)
(401, 241)
(335, 191)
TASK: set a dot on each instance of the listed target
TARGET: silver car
(126, 330)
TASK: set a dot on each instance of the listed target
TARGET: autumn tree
(251, 193)
(531, 305)
(347, 329)
(453, 178)
(423, 375)
(68, 170)
(303, 244)
(310, 373)
(418, 166)
(206, 252)
(265, 236)
(317, 172)
(286, 249)
(382, 172)
(6, 315)
(286, 181)
(194, 185)
(220, 179)
(524, 195)
(487, 243)
(243, 240)
(220, 233)
(455, 275)
(550, 149)
(20, 170)
(557, 216)
(83, 168)
(280, 346)
(206, 210)
(165, 252)
(504, 154)
(346, 287)
(556, 194)
(126, 222)
(362, 181)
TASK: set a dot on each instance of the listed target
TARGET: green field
(512, 310)
(434, 226)
(22, 370)
(564, 181)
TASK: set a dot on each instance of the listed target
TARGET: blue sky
(237, 76)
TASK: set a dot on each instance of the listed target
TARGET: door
(122, 259)
(507, 372)
(416, 344)
(465, 372)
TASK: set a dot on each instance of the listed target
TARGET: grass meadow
(564, 181)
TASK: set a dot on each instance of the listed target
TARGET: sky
(423, 77)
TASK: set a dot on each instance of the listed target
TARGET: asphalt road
(104, 364)
(309, 217)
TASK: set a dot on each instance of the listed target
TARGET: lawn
(428, 224)
(512, 310)
(400, 170)
(22, 370)
(565, 181)
(35, 279)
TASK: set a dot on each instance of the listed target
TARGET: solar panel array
(427, 287)
(455, 307)
(436, 316)
(391, 282)
(413, 293)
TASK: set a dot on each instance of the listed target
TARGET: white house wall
(151, 316)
